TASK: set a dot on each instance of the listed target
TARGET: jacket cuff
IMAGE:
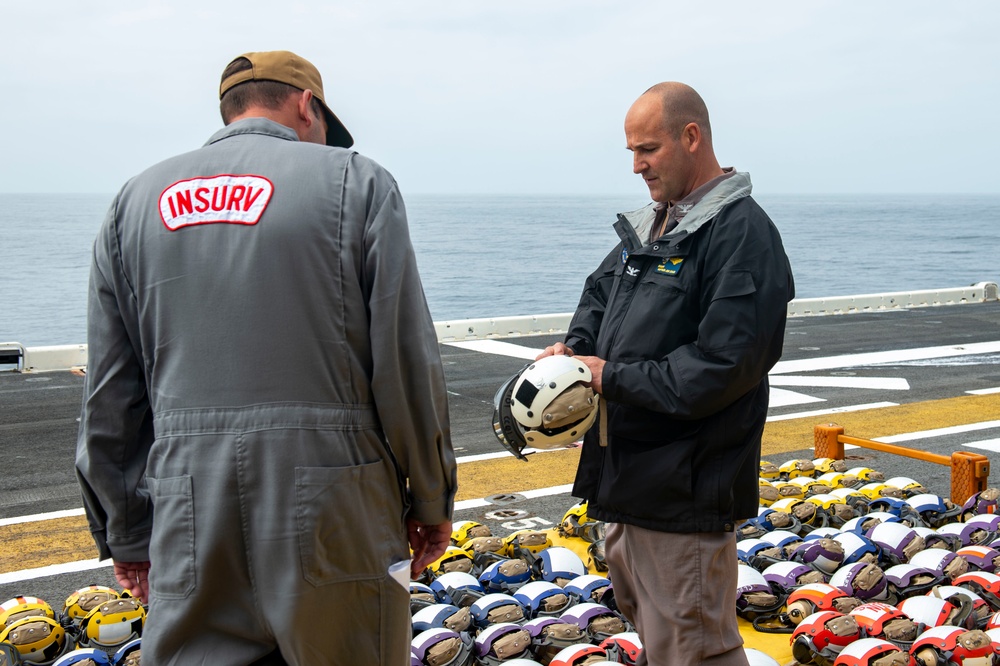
(579, 346)
(432, 512)
(131, 549)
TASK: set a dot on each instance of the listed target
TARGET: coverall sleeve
(116, 430)
(408, 379)
(581, 336)
(746, 286)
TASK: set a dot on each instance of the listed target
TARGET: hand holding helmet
(547, 405)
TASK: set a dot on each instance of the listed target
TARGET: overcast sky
(468, 96)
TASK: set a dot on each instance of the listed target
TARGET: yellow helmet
(795, 468)
(38, 638)
(788, 489)
(453, 559)
(113, 623)
(768, 470)
(19, 607)
(532, 541)
(837, 480)
(86, 599)
(826, 465)
(468, 529)
(768, 493)
(576, 523)
(810, 486)
(866, 474)
(875, 490)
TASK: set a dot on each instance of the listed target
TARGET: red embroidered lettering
(199, 195)
(184, 202)
(235, 197)
(250, 199)
(227, 199)
(219, 197)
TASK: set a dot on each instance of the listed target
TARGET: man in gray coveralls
(263, 370)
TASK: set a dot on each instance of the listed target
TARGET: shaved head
(681, 105)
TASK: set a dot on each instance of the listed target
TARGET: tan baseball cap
(286, 67)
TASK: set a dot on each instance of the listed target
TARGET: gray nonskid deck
(39, 412)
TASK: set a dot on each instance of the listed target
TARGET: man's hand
(558, 349)
(428, 543)
(596, 366)
(134, 577)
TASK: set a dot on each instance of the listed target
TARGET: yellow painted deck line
(68, 539)
(797, 434)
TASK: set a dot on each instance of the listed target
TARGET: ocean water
(490, 256)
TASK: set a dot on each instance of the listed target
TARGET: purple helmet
(596, 620)
(941, 562)
(980, 558)
(862, 580)
(447, 646)
(783, 577)
(907, 580)
(502, 641)
(825, 555)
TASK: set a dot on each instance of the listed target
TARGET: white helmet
(545, 406)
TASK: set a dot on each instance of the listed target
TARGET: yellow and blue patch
(670, 266)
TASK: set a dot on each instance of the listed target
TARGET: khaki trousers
(679, 590)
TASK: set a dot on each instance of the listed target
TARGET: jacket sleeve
(581, 336)
(746, 285)
(408, 379)
(116, 422)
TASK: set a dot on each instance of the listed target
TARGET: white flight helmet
(545, 406)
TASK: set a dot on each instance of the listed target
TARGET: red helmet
(815, 597)
(947, 646)
(870, 651)
(824, 635)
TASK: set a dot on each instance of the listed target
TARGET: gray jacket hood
(729, 190)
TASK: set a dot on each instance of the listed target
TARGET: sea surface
(492, 256)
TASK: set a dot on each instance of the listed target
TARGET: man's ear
(691, 137)
(303, 107)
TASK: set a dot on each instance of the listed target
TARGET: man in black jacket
(680, 325)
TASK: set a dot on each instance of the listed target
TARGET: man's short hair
(268, 94)
(682, 105)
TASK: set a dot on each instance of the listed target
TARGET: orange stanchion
(969, 471)
(826, 441)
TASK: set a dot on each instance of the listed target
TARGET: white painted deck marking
(782, 367)
(530, 494)
(938, 432)
(988, 391)
(985, 444)
(783, 398)
(893, 356)
(505, 454)
(833, 410)
(53, 570)
(41, 516)
(873, 383)
(499, 348)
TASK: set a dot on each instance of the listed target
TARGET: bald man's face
(663, 161)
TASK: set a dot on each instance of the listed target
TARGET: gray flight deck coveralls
(264, 373)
